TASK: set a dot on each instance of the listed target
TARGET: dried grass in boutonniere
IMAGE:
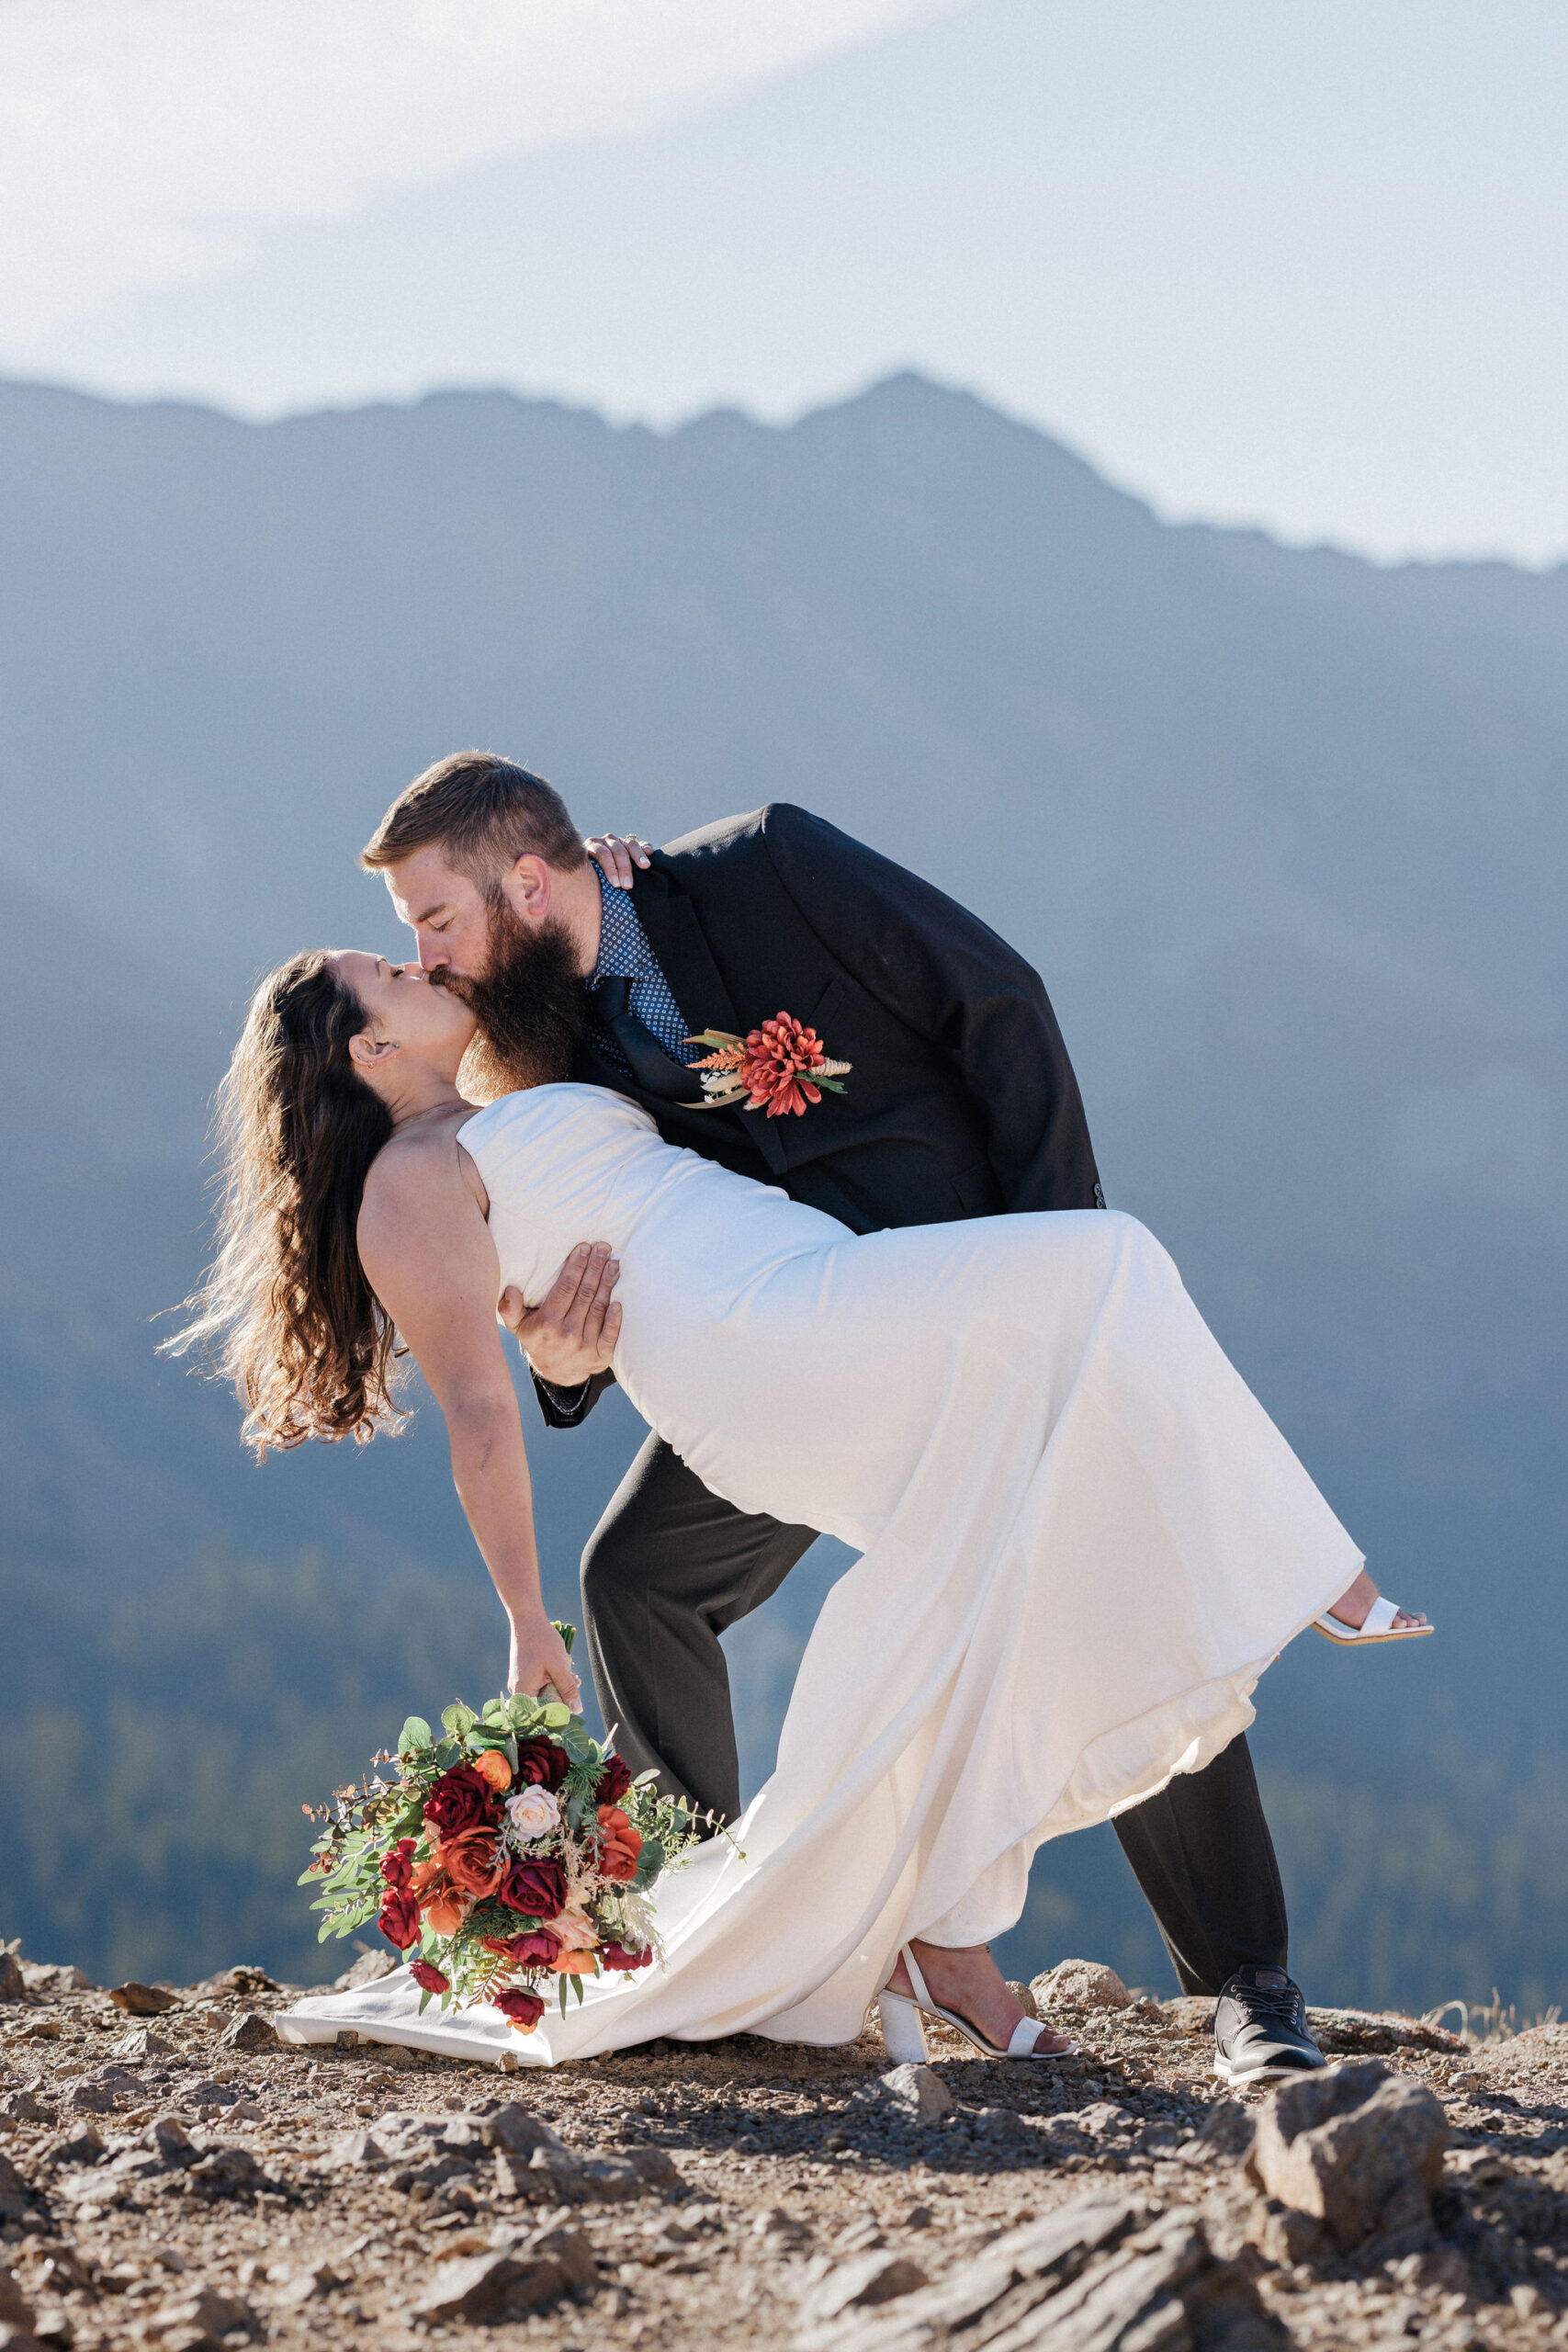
(780, 1066)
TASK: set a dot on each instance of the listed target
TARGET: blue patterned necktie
(655, 1070)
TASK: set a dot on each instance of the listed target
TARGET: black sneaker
(1260, 2028)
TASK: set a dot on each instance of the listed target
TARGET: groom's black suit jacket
(961, 1102)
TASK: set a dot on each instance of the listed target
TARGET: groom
(961, 1103)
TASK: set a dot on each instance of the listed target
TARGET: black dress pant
(670, 1567)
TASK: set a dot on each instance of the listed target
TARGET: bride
(1082, 1538)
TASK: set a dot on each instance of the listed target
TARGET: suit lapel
(675, 935)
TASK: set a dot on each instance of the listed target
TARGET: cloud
(146, 142)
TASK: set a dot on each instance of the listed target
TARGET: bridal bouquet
(513, 1850)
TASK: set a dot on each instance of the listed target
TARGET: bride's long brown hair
(285, 1311)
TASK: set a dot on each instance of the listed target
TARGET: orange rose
(447, 1910)
(573, 1963)
(495, 1768)
(622, 1844)
(472, 1860)
(445, 1906)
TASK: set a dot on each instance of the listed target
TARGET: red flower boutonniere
(780, 1066)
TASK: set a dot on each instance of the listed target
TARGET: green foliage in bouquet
(513, 1850)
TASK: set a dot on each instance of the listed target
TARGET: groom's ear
(527, 885)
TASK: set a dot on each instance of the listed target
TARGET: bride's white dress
(1082, 1538)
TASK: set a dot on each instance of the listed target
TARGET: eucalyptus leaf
(416, 1734)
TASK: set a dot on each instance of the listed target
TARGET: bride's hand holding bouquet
(510, 1858)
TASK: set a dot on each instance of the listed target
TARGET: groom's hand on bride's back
(571, 1334)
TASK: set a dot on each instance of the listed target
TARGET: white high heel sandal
(1377, 1627)
(906, 2039)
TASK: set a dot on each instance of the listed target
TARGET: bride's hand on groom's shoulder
(616, 854)
(540, 1663)
(571, 1334)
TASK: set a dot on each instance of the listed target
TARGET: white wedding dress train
(1082, 1541)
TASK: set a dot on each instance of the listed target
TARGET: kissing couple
(816, 1126)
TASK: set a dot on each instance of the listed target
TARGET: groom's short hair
(485, 812)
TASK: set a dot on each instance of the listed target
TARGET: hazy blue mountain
(1284, 831)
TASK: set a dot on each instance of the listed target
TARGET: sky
(1295, 262)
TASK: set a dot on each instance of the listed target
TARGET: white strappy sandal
(906, 2039)
(1377, 1627)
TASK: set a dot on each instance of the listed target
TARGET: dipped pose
(1082, 1538)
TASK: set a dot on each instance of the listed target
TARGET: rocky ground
(172, 2176)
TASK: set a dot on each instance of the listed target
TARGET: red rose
(613, 1782)
(397, 1868)
(428, 1979)
(523, 2009)
(617, 1956)
(537, 1949)
(461, 1799)
(538, 1888)
(399, 1921)
(541, 1764)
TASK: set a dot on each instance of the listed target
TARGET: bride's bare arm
(428, 1255)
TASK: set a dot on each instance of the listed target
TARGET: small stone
(85, 2145)
(23, 2108)
(167, 2138)
(228, 2167)
(303, 2286)
(54, 1977)
(144, 2000)
(243, 1980)
(249, 2031)
(1529, 2301)
(1357, 2148)
(1283, 2236)
(614, 2179)
(915, 2093)
(13, 1983)
(1441, 2270)
(784, 2227)
(998, 2123)
(368, 1969)
(1227, 2135)
(1080, 1984)
(204, 2317)
(356, 2149)
(20, 2339)
(544, 2177)
(140, 2044)
(484, 2287)
(513, 2127)
(571, 2250)
(92, 2095)
(16, 2197)
(1024, 1995)
(863, 2282)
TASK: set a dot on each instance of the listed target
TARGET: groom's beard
(530, 1004)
